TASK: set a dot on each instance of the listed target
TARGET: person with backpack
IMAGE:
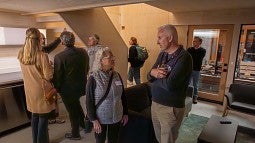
(136, 61)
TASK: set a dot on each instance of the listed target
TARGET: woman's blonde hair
(28, 53)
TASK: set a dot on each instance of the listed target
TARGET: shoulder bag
(49, 92)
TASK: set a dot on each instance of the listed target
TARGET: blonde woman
(112, 112)
(35, 65)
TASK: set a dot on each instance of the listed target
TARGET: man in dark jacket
(70, 76)
(170, 78)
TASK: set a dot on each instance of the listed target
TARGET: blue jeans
(134, 72)
(39, 125)
(195, 76)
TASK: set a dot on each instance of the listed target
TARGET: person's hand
(97, 127)
(124, 120)
(159, 73)
(51, 63)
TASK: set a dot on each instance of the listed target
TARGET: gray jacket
(114, 106)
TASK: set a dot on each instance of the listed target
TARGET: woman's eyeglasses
(109, 57)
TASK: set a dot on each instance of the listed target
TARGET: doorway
(217, 42)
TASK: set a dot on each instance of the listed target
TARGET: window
(11, 40)
(212, 62)
(14, 36)
(245, 64)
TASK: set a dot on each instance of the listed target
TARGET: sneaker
(129, 82)
(60, 121)
(71, 137)
(52, 121)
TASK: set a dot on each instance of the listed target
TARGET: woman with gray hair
(35, 65)
(105, 100)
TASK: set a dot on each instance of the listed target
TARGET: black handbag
(88, 123)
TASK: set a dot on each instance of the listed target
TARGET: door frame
(220, 96)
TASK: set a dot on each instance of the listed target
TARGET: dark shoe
(88, 126)
(194, 99)
(86, 131)
(71, 137)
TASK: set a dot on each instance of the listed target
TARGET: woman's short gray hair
(100, 54)
(105, 52)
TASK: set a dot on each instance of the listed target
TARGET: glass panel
(14, 36)
(213, 41)
(11, 40)
(245, 65)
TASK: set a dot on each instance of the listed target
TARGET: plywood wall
(138, 20)
(142, 21)
(96, 21)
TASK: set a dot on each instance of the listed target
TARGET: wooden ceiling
(47, 6)
(201, 5)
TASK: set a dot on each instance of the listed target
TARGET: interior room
(228, 68)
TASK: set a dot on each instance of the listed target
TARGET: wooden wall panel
(17, 20)
(142, 21)
(90, 21)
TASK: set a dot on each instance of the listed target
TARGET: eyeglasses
(109, 57)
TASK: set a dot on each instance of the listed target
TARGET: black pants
(76, 114)
(112, 131)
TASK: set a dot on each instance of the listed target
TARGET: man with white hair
(92, 49)
(170, 78)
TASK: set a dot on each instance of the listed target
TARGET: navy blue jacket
(171, 91)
